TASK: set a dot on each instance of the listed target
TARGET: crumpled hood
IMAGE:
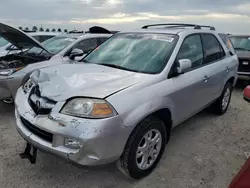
(243, 54)
(89, 80)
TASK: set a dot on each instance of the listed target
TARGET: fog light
(72, 143)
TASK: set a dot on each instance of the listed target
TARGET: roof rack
(175, 25)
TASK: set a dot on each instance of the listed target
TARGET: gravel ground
(205, 151)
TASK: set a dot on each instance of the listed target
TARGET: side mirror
(231, 53)
(75, 53)
(80, 57)
(247, 93)
(183, 65)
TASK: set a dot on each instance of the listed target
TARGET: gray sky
(230, 16)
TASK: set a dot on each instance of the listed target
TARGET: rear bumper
(244, 75)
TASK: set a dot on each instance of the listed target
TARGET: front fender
(135, 115)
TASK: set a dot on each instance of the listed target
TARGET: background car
(241, 45)
(16, 68)
(8, 48)
(241, 180)
(247, 93)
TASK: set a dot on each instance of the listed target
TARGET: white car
(7, 48)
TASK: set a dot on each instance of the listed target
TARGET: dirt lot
(206, 151)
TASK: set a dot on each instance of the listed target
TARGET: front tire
(220, 106)
(144, 148)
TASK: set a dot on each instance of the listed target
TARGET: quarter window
(192, 49)
(212, 48)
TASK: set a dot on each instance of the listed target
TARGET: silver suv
(123, 101)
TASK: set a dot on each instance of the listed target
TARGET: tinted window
(139, 52)
(191, 49)
(3, 42)
(87, 45)
(241, 42)
(102, 40)
(212, 48)
(227, 42)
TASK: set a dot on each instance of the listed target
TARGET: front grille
(43, 111)
(242, 67)
(36, 131)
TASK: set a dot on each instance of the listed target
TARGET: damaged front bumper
(97, 141)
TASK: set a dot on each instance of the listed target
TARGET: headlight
(28, 85)
(8, 72)
(88, 108)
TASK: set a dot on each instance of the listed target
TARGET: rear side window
(227, 42)
(212, 48)
(191, 49)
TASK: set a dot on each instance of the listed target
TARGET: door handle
(227, 69)
(206, 78)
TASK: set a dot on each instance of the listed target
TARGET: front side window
(138, 52)
(191, 49)
(3, 42)
(212, 48)
(87, 45)
(241, 43)
(53, 45)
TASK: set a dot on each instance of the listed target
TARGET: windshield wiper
(117, 67)
(244, 49)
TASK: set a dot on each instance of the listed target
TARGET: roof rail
(173, 25)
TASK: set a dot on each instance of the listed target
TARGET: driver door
(190, 89)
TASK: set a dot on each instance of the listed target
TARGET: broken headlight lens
(28, 85)
(88, 108)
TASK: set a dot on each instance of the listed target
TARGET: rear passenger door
(216, 65)
(191, 88)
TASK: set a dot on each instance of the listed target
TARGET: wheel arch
(164, 114)
(231, 80)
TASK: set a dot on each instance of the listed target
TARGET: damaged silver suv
(122, 102)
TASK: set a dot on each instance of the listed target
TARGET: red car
(247, 93)
(242, 179)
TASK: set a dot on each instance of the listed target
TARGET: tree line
(41, 29)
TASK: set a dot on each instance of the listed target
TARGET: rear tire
(144, 148)
(220, 106)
